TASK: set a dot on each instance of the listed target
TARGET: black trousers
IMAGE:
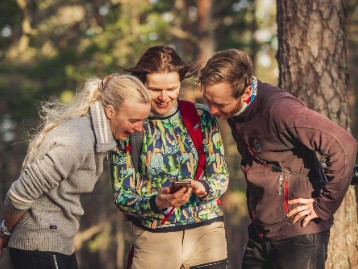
(28, 259)
(300, 252)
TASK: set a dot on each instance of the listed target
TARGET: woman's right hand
(10, 221)
(3, 243)
(165, 199)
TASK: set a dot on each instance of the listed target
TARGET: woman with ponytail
(65, 159)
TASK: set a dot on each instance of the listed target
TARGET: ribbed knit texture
(68, 163)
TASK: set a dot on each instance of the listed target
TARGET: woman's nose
(163, 95)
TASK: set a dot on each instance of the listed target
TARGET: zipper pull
(280, 185)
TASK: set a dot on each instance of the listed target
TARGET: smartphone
(177, 185)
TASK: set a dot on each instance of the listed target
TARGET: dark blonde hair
(112, 90)
(160, 59)
(232, 66)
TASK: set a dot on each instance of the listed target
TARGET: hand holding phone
(177, 185)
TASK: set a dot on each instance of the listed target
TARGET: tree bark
(254, 47)
(205, 32)
(312, 60)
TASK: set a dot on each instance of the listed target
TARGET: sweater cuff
(207, 188)
(319, 212)
(153, 205)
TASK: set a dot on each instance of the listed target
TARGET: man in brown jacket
(298, 164)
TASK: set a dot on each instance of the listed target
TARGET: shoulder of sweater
(77, 131)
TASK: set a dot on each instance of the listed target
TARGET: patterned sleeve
(124, 183)
(216, 174)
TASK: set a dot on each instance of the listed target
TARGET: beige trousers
(179, 250)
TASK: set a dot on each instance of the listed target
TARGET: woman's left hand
(198, 188)
(303, 210)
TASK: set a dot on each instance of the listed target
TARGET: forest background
(48, 48)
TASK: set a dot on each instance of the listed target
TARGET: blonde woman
(64, 160)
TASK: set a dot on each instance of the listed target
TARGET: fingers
(164, 199)
(299, 210)
(198, 189)
(164, 191)
(301, 201)
(300, 215)
(303, 212)
(305, 221)
(180, 197)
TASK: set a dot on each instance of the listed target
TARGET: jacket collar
(251, 109)
(102, 130)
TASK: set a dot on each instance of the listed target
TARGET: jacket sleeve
(216, 176)
(57, 162)
(124, 184)
(319, 134)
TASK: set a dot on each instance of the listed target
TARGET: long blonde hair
(112, 90)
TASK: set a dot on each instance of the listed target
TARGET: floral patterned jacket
(168, 154)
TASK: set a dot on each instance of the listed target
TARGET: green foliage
(70, 41)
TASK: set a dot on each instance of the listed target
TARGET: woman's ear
(109, 111)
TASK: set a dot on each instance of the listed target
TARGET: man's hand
(303, 210)
(164, 199)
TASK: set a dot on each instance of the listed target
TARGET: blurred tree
(312, 59)
(205, 33)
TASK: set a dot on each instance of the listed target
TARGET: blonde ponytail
(118, 89)
(54, 113)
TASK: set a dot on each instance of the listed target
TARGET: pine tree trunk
(205, 33)
(312, 59)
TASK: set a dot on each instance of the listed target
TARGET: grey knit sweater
(68, 163)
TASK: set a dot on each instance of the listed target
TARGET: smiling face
(220, 100)
(128, 119)
(164, 89)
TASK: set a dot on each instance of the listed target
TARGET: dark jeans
(28, 259)
(300, 252)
